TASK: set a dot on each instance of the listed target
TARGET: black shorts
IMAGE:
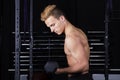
(78, 76)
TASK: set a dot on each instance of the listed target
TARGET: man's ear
(62, 18)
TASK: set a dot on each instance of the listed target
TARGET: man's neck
(68, 28)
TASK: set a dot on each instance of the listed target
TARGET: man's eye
(52, 25)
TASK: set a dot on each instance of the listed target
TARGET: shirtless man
(76, 45)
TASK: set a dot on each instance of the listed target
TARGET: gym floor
(111, 77)
(95, 77)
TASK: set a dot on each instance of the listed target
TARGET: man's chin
(58, 33)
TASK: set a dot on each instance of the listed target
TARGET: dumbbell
(51, 66)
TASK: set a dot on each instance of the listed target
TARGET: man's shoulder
(72, 39)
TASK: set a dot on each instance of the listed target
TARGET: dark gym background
(89, 15)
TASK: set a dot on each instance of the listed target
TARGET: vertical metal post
(17, 40)
(31, 40)
(107, 15)
(25, 17)
(106, 51)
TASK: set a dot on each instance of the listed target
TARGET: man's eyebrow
(52, 24)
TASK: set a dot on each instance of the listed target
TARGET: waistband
(79, 74)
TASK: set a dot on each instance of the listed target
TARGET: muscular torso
(78, 34)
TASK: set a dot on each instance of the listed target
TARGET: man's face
(55, 25)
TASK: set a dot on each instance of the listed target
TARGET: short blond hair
(51, 10)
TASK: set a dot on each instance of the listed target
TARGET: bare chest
(66, 50)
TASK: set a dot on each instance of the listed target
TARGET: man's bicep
(79, 52)
(77, 49)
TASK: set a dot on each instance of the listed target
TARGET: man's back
(77, 49)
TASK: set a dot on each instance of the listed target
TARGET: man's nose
(52, 29)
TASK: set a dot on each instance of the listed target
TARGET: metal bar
(107, 15)
(31, 40)
(17, 40)
(25, 19)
